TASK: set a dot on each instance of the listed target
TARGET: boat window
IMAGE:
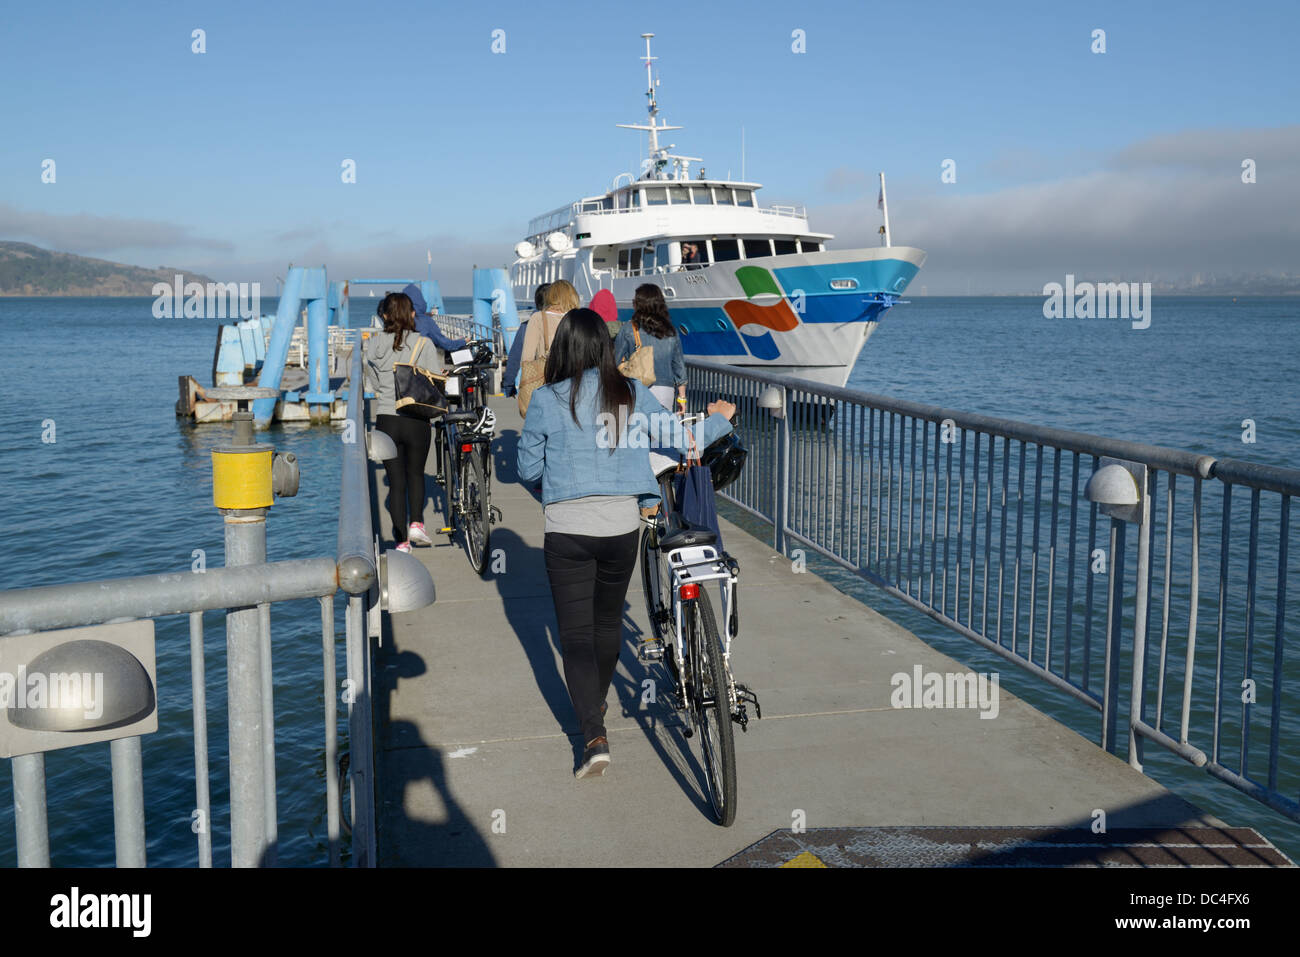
(744, 197)
(811, 246)
(679, 195)
(634, 259)
(723, 196)
(656, 196)
(702, 196)
(622, 260)
(755, 248)
(607, 203)
(648, 258)
(635, 195)
(784, 247)
(725, 250)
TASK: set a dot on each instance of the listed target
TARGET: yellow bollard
(241, 477)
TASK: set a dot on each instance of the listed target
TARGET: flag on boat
(880, 199)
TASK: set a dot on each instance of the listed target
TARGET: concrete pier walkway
(476, 739)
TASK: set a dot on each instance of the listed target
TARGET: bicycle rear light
(467, 447)
(689, 592)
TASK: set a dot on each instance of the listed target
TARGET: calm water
(1188, 382)
(125, 489)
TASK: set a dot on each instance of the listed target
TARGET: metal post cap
(1116, 487)
(356, 574)
(404, 583)
(1112, 485)
(380, 446)
(773, 399)
(126, 694)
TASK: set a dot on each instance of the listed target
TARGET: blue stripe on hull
(708, 332)
(873, 276)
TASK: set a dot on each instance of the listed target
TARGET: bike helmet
(487, 421)
(725, 458)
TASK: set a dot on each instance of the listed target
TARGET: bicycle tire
(474, 512)
(653, 563)
(717, 740)
(450, 463)
(656, 578)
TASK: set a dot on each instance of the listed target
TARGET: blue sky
(229, 162)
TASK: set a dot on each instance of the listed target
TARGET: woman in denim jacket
(587, 436)
(650, 319)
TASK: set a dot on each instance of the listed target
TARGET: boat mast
(883, 203)
(659, 157)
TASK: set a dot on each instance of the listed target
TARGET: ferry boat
(746, 285)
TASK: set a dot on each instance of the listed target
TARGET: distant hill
(27, 270)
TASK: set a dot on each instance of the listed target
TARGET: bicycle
(465, 456)
(677, 561)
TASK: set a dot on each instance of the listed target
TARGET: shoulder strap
(637, 333)
(546, 336)
(419, 341)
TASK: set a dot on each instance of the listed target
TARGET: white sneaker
(417, 534)
(404, 547)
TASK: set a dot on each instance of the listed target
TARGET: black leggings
(589, 577)
(406, 470)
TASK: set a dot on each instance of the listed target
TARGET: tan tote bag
(640, 364)
(532, 372)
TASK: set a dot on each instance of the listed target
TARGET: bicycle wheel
(474, 511)
(447, 461)
(656, 577)
(654, 582)
(712, 706)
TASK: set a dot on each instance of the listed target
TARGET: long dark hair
(581, 343)
(650, 312)
(398, 313)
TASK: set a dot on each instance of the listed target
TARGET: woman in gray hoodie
(397, 343)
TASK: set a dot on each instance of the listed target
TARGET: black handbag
(420, 393)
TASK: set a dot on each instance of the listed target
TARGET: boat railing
(465, 327)
(798, 212)
(246, 593)
(1076, 557)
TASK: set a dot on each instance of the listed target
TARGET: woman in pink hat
(604, 306)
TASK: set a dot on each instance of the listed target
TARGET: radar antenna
(658, 160)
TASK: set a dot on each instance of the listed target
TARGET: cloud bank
(1168, 206)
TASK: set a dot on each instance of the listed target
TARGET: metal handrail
(985, 525)
(356, 545)
(1186, 463)
(236, 588)
(47, 607)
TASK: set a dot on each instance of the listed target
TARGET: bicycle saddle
(679, 533)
